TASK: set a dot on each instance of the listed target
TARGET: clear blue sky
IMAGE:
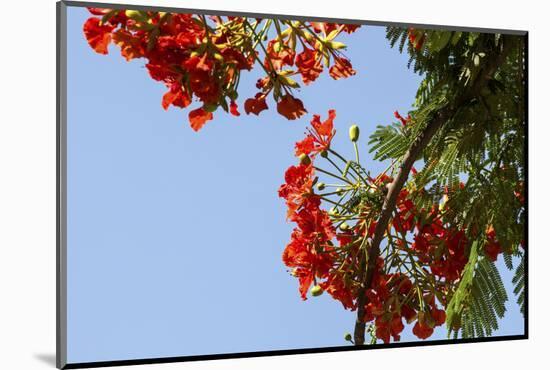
(175, 237)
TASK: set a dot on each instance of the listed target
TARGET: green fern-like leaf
(388, 142)
(519, 285)
(479, 301)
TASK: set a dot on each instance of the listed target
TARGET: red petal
(198, 118)
(290, 107)
(233, 109)
(99, 11)
(255, 105)
(98, 36)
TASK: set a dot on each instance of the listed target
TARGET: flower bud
(304, 159)
(336, 45)
(344, 226)
(340, 191)
(347, 337)
(324, 154)
(316, 290)
(321, 186)
(354, 133)
(333, 211)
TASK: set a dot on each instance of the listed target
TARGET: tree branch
(367, 267)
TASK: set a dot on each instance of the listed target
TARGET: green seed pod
(324, 154)
(347, 337)
(336, 45)
(321, 186)
(354, 133)
(304, 159)
(316, 290)
(344, 226)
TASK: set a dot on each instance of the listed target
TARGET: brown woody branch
(367, 267)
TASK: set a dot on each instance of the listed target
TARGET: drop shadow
(47, 358)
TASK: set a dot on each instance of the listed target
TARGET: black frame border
(61, 187)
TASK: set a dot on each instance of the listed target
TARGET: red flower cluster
(281, 53)
(297, 187)
(386, 303)
(441, 247)
(310, 251)
(309, 61)
(177, 54)
(203, 61)
(316, 258)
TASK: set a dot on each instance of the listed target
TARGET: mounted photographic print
(235, 185)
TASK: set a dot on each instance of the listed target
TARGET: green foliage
(519, 285)
(479, 301)
(389, 142)
(480, 144)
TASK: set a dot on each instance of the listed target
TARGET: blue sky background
(175, 237)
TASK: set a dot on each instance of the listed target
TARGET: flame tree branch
(368, 264)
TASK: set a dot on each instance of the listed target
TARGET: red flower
(175, 96)
(404, 121)
(298, 183)
(319, 137)
(255, 105)
(386, 327)
(306, 146)
(309, 65)
(439, 316)
(422, 331)
(337, 288)
(198, 118)
(131, 46)
(310, 250)
(98, 35)
(312, 220)
(284, 56)
(290, 107)
(341, 69)
(162, 72)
